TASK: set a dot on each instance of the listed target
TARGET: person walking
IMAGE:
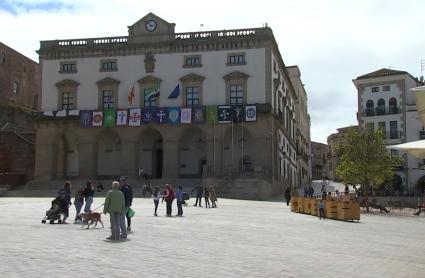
(78, 203)
(288, 195)
(125, 188)
(168, 197)
(207, 197)
(199, 191)
(321, 209)
(88, 194)
(115, 206)
(156, 196)
(213, 197)
(64, 196)
(179, 199)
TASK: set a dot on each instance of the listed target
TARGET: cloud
(332, 41)
(19, 7)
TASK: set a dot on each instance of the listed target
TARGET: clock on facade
(151, 25)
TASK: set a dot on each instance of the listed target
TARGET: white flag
(134, 117)
(186, 115)
(122, 116)
(61, 113)
(97, 118)
(250, 113)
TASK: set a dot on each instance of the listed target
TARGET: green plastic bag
(130, 212)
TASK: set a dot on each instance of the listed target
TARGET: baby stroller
(186, 197)
(54, 213)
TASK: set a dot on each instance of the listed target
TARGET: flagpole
(214, 146)
(242, 145)
(232, 144)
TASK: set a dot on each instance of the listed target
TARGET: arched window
(380, 110)
(370, 108)
(393, 106)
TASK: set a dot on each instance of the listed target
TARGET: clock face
(151, 25)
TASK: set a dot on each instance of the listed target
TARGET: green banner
(109, 117)
(211, 112)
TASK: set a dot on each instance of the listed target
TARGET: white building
(385, 102)
(157, 70)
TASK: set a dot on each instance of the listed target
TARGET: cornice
(67, 83)
(192, 77)
(107, 81)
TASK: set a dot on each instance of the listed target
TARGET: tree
(364, 159)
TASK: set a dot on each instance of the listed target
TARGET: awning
(416, 148)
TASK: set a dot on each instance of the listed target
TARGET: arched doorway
(237, 149)
(108, 154)
(192, 152)
(151, 153)
(396, 183)
(67, 156)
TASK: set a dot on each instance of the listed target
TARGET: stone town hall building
(195, 81)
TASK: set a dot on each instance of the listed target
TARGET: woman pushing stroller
(64, 199)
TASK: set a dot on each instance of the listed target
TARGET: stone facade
(334, 140)
(19, 91)
(319, 161)
(213, 64)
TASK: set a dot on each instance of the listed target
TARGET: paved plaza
(238, 239)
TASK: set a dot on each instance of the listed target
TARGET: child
(321, 209)
(156, 196)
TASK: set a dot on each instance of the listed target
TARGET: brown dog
(89, 218)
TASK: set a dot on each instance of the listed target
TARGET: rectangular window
(108, 65)
(192, 96)
(236, 59)
(236, 94)
(422, 135)
(108, 99)
(393, 130)
(382, 127)
(386, 88)
(67, 101)
(192, 61)
(15, 87)
(68, 67)
(394, 153)
(149, 100)
(375, 89)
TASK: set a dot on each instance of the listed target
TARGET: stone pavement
(238, 239)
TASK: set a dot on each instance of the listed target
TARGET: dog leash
(99, 207)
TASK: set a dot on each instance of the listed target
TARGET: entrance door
(158, 163)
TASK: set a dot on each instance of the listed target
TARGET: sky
(331, 41)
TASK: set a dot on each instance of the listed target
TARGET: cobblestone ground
(238, 239)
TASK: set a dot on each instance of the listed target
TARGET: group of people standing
(208, 193)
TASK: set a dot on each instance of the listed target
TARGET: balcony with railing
(381, 111)
(122, 40)
(393, 135)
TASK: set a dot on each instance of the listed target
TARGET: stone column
(87, 156)
(170, 162)
(129, 155)
(45, 156)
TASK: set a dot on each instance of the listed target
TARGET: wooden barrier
(331, 209)
(345, 209)
(294, 203)
(314, 209)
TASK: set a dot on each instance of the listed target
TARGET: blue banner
(161, 115)
(85, 118)
(173, 115)
(147, 115)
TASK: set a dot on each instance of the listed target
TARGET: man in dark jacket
(199, 192)
(125, 188)
(288, 195)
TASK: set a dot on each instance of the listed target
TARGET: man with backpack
(125, 188)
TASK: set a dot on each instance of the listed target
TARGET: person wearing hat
(125, 188)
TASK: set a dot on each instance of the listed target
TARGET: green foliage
(364, 159)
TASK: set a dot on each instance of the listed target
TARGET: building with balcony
(319, 160)
(212, 107)
(385, 102)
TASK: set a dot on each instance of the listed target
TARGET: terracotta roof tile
(382, 72)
